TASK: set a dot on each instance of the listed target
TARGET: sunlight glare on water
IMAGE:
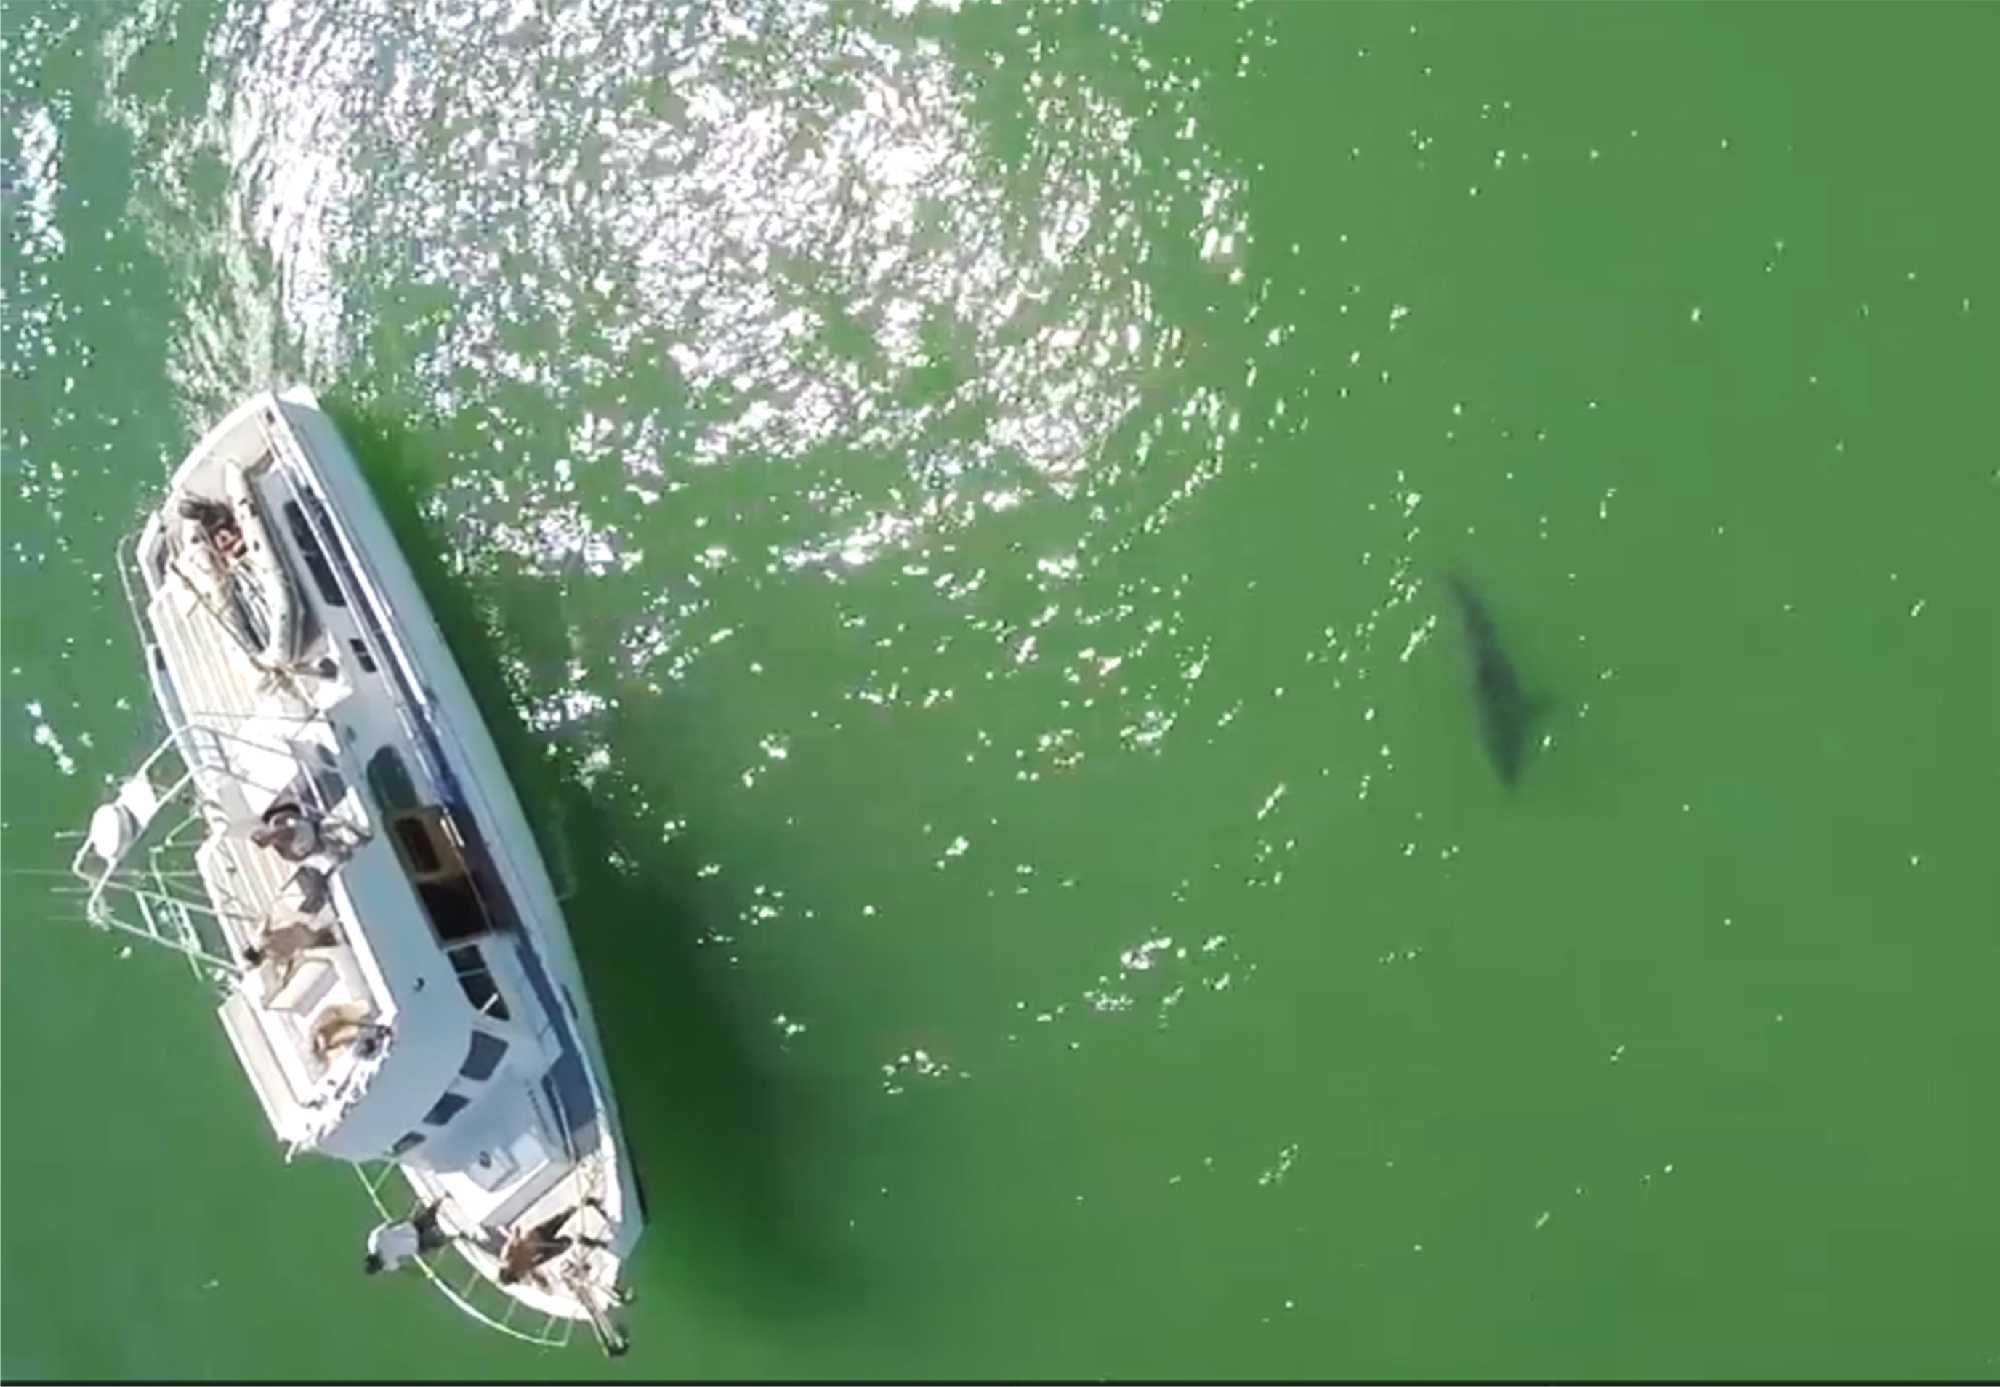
(772, 238)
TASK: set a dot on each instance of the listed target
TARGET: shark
(1507, 711)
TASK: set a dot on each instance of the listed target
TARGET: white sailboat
(327, 834)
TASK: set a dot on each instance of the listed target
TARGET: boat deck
(248, 735)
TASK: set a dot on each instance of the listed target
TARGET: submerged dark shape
(1507, 713)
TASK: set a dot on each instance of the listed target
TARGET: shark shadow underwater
(1508, 713)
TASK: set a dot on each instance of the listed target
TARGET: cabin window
(407, 1142)
(413, 837)
(315, 557)
(390, 779)
(434, 858)
(446, 1108)
(483, 1056)
(484, 995)
(477, 982)
(455, 908)
(360, 649)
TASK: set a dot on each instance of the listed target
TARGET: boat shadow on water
(717, 1134)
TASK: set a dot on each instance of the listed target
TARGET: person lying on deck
(525, 1252)
(345, 1023)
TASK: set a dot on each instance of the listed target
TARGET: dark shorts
(430, 1237)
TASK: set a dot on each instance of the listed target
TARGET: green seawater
(947, 515)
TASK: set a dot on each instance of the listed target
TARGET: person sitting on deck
(214, 523)
(288, 831)
(392, 1244)
(527, 1251)
(282, 946)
